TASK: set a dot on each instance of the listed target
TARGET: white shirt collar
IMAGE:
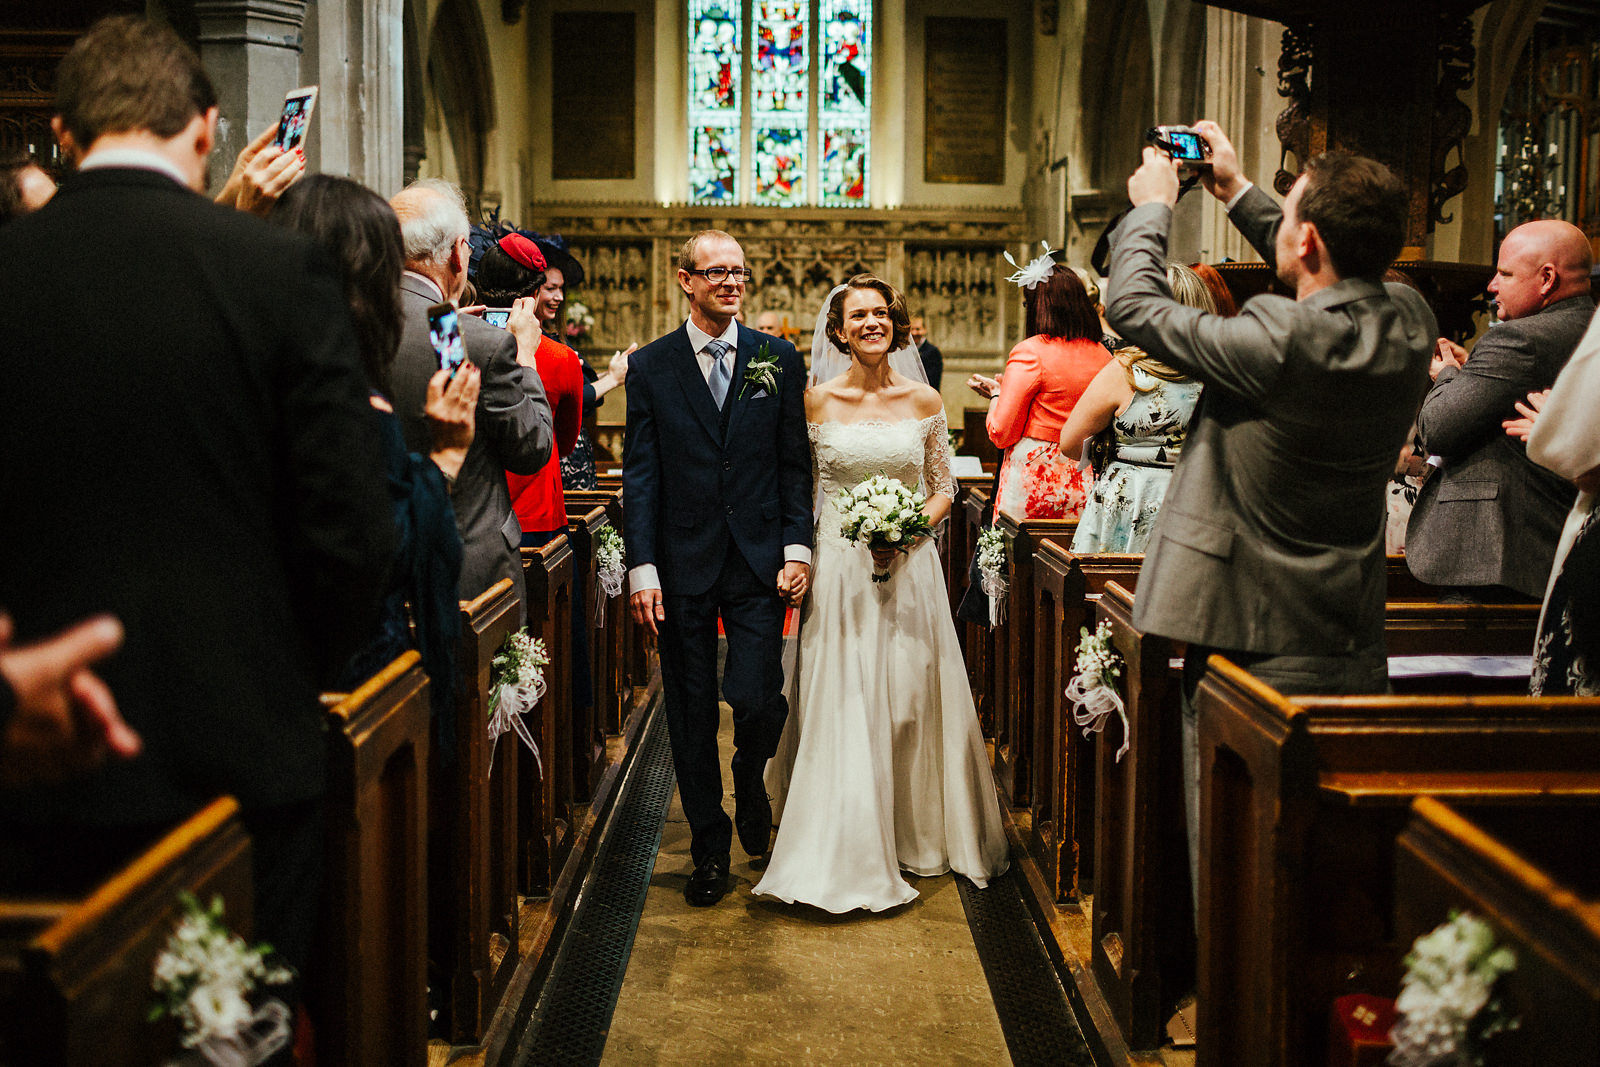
(698, 338)
(136, 158)
(429, 282)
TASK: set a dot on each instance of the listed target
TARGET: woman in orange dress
(1044, 377)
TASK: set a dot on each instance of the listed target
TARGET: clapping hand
(984, 386)
(1521, 428)
(1446, 353)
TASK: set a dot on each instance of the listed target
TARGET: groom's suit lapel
(695, 389)
(741, 361)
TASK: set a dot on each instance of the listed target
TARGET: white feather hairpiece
(1037, 270)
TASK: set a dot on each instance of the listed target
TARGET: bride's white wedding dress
(882, 767)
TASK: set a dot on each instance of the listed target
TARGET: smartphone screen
(500, 317)
(296, 118)
(444, 331)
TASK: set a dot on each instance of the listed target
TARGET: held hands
(66, 721)
(261, 174)
(1446, 353)
(793, 582)
(451, 410)
(1521, 428)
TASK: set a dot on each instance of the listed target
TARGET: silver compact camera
(1182, 143)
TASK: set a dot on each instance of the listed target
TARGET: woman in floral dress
(1044, 377)
(1147, 405)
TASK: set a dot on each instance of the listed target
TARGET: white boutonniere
(761, 372)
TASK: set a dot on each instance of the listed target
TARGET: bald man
(1487, 520)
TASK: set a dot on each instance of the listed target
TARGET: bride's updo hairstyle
(1059, 307)
(898, 315)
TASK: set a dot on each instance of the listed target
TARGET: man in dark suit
(1269, 545)
(185, 444)
(513, 419)
(716, 484)
(1487, 520)
(932, 358)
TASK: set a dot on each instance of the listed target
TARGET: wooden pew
(1302, 800)
(1065, 590)
(472, 832)
(370, 1005)
(1533, 880)
(977, 642)
(588, 731)
(1142, 919)
(545, 799)
(1014, 719)
(975, 437)
(75, 974)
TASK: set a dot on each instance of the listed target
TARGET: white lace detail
(916, 451)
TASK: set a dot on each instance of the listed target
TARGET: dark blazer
(690, 487)
(1270, 538)
(186, 442)
(932, 362)
(513, 434)
(1490, 515)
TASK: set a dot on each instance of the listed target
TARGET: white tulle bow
(1092, 705)
(255, 1043)
(512, 703)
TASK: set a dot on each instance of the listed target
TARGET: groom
(716, 495)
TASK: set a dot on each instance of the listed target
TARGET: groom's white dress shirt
(645, 576)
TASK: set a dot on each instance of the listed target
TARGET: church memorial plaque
(592, 96)
(964, 116)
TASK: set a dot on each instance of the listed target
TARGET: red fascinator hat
(523, 251)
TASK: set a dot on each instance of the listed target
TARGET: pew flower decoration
(609, 557)
(204, 978)
(1093, 690)
(761, 372)
(882, 513)
(992, 571)
(517, 686)
(1447, 1005)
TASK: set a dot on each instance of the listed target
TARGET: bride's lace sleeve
(936, 476)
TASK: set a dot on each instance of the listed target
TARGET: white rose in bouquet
(882, 513)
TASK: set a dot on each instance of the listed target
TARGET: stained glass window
(801, 113)
(715, 69)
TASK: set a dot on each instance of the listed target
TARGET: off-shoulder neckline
(876, 422)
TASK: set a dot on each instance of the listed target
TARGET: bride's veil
(827, 362)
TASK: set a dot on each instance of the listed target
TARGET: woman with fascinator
(882, 768)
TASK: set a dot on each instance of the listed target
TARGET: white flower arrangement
(204, 978)
(882, 513)
(992, 546)
(610, 555)
(1036, 272)
(1093, 689)
(579, 320)
(762, 371)
(516, 686)
(1447, 1005)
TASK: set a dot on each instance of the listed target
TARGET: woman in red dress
(510, 272)
(1045, 374)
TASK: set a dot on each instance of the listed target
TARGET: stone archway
(459, 81)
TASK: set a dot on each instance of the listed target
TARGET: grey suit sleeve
(1257, 217)
(1465, 407)
(513, 415)
(1243, 354)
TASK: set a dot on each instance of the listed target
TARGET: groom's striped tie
(721, 372)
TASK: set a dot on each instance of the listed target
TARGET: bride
(881, 768)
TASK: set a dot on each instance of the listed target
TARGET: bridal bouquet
(1447, 1005)
(517, 685)
(204, 978)
(882, 513)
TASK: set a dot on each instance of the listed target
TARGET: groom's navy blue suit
(711, 498)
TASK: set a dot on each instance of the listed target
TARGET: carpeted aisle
(750, 981)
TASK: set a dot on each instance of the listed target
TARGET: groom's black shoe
(752, 815)
(708, 884)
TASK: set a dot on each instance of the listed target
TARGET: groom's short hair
(692, 245)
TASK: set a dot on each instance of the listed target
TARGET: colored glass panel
(843, 175)
(715, 69)
(780, 166)
(780, 66)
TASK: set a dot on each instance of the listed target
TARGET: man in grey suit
(1488, 519)
(513, 418)
(1269, 546)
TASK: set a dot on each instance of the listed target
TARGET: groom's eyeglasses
(718, 275)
